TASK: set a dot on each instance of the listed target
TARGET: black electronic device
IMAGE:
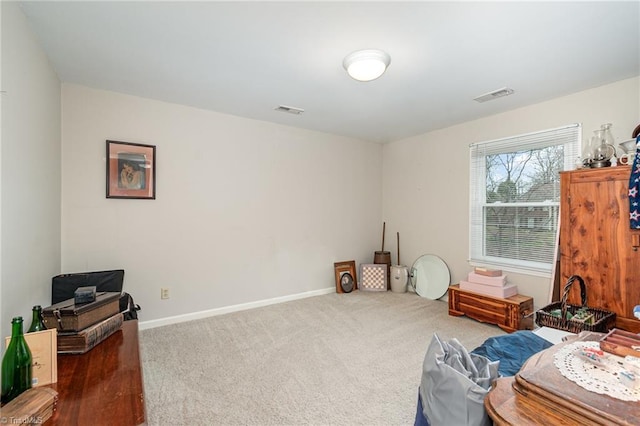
(84, 295)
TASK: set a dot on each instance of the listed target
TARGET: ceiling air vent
(505, 91)
(290, 110)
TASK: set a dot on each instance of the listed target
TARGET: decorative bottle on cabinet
(597, 243)
(37, 324)
(16, 364)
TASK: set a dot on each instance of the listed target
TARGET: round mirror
(430, 276)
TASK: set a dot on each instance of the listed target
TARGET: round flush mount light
(366, 65)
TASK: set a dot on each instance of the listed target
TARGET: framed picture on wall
(346, 277)
(131, 170)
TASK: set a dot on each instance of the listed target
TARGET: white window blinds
(514, 197)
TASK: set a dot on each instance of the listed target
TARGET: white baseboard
(143, 325)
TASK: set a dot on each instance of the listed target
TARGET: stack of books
(81, 326)
(84, 340)
(490, 282)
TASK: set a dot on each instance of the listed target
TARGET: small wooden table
(103, 386)
(540, 395)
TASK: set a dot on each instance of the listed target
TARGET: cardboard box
(44, 355)
(488, 272)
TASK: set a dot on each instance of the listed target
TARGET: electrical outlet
(164, 293)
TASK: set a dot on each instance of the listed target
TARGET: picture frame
(373, 277)
(342, 268)
(131, 170)
(44, 353)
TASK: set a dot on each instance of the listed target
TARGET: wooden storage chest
(68, 316)
(510, 314)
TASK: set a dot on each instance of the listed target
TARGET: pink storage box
(490, 290)
(482, 279)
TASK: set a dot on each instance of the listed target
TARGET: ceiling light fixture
(366, 65)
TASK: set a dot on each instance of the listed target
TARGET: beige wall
(245, 210)
(426, 178)
(29, 171)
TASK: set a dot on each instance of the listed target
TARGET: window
(515, 195)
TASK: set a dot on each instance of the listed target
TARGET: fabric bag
(64, 286)
(128, 307)
(512, 350)
(454, 384)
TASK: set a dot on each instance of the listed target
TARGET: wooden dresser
(103, 386)
(540, 395)
(510, 314)
(597, 243)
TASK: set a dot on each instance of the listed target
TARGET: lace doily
(602, 379)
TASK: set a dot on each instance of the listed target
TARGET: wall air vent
(505, 91)
(290, 110)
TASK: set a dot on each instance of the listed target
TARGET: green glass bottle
(16, 364)
(37, 324)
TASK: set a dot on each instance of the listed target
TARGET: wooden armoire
(597, 243)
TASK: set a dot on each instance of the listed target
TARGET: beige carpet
(337, 359)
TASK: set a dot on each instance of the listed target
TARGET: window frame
(569, 136)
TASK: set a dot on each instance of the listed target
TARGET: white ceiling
(246, 59)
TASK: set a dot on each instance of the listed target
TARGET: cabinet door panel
(596, 240)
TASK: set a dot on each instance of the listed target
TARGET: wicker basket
(602, 320)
